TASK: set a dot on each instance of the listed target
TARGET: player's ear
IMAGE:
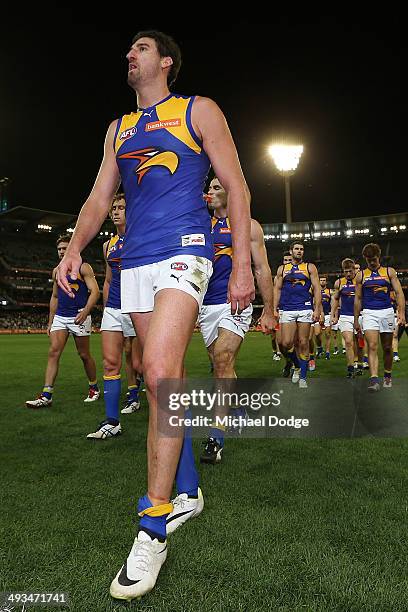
(166, 62)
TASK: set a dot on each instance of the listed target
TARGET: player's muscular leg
(112, 345)
(82, 344)
(224, 352)
(165, 334)
(371, 337)
(386, 341)
(303, 337)
(58, 340)
(288, 333)
(348, 337)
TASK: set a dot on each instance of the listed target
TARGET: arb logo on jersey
(179, 265)
(150, 157)
(128, 133)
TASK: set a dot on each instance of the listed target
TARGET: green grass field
(289, 525)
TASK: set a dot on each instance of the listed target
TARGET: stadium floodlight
(403, 227)
(286, 159)
(384, 229)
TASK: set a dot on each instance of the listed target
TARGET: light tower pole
(286, 159)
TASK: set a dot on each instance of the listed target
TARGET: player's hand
(49, 329)
(267, 321)
(334, 320)
(81, 316)
(316, 315)
(401, 319)
(241, 290)
(357, 326)
(69, 265)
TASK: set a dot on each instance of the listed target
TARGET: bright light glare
(286, 157)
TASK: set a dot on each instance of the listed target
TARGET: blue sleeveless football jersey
(113, 255)
(295, 294)
(67, 306)
(347, 291)
(376, 289)
(218, 286)
(163, 169)
(326, 301)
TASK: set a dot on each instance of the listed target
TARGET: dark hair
(347, 263)
(371, 250)
(167, 47)
(63, 238)
(292, 244)
(287, 254)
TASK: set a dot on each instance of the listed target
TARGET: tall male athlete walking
(162, 153)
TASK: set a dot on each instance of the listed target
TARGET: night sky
(333, 84)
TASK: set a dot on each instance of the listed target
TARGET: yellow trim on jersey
(176, 108)
(343, 282)
(112, 242)
(382, 271)
(157, 510)
(126, 123)
(302, 267)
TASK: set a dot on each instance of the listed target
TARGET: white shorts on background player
(139, 286)
(214, 316)
(297, 316)
(379, 320)
(116, 321)
(346, 323)
(68, 324)
(327, 320)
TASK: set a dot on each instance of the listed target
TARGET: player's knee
(84, 355)
(223, 361)
(54, 352)
(286, 344)
(110, 367)
(155, 370)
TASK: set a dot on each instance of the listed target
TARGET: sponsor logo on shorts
(162, 125)
(179, 265)
(193, 239)
(128, 133)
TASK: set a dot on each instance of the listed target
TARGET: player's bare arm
(277, 288)
(53, 302)
(335, 302)
(399, 295)
(357, 300)
(90, 281)
(317, 294)
(211, 126)
(108, 275)
(93, 213)
(263, 277)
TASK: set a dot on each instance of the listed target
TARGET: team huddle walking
(170, 264)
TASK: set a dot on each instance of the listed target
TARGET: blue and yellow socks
(47, 392)
(93, 384)
(304, 362)
(111, 386)
(153, 518)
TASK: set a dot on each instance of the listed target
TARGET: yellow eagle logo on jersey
(150, 157)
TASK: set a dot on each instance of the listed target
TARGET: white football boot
(184, 508)
(139, 573)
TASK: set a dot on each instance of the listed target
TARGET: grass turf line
(288, 525)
